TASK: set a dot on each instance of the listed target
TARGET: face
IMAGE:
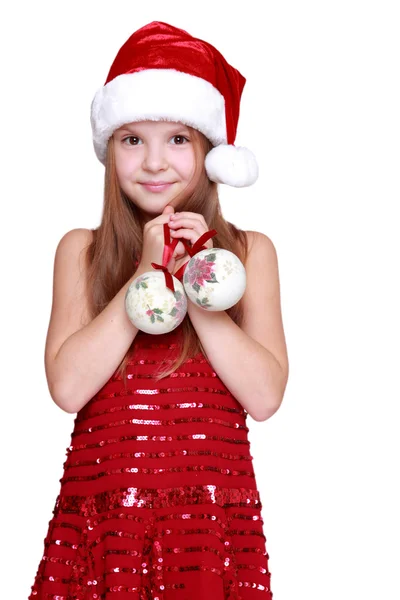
(153, 151)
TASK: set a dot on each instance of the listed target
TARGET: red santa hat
(162, 73)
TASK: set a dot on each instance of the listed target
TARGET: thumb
(168, 210)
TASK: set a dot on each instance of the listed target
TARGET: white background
(320, 110)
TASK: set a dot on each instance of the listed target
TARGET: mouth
(156, 187)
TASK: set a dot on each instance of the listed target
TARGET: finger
(168, 210)
(188, 234)
(190, 215)
(191, 235)
(179, 251)
(184, 222)
(164, 217)
(197, 228)
(197, 232)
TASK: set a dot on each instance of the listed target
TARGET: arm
(252, 360)
(80, 359)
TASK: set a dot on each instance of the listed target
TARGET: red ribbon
(192, 250)
(169, 247)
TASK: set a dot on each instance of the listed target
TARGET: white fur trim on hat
(155, 95)
(232, 165)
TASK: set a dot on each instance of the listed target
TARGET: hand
(153, 242)
(190, 226)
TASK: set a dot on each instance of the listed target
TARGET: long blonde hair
(117, 245)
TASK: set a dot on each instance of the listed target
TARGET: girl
(158, 497)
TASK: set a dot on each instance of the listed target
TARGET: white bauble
(152, 307)
(214, 279)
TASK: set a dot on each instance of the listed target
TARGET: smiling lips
(157, 186)
(155, 182)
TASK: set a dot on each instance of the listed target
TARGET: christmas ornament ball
(214, 279)
(152, 307)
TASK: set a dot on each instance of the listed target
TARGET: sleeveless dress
(158, 498)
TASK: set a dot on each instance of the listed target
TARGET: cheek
(186, 164)
(124, 168)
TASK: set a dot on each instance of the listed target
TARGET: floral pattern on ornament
(201, 271)
(140, 282)
(180, 306)
(178, 311)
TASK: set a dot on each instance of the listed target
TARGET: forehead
(153, 126)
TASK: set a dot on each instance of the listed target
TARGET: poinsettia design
(201, 271)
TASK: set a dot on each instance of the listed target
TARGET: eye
(131, 137)
(182, 139)
(179, 137)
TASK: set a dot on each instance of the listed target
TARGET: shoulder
(74, 242)
(70, 271)
(70, 255)
(260, 247)
(76, 238)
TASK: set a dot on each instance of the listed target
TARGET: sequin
(159, 422)
(158, 491)
(167, 406)
(180, 452)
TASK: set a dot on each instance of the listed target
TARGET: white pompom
(214, 279)
(232, 165)
(152, 307)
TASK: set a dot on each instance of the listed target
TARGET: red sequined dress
(158, 499)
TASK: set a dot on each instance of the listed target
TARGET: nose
(154, 157)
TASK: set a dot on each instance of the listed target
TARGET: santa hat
(162, 73)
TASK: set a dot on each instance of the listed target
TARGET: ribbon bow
(169, 247)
